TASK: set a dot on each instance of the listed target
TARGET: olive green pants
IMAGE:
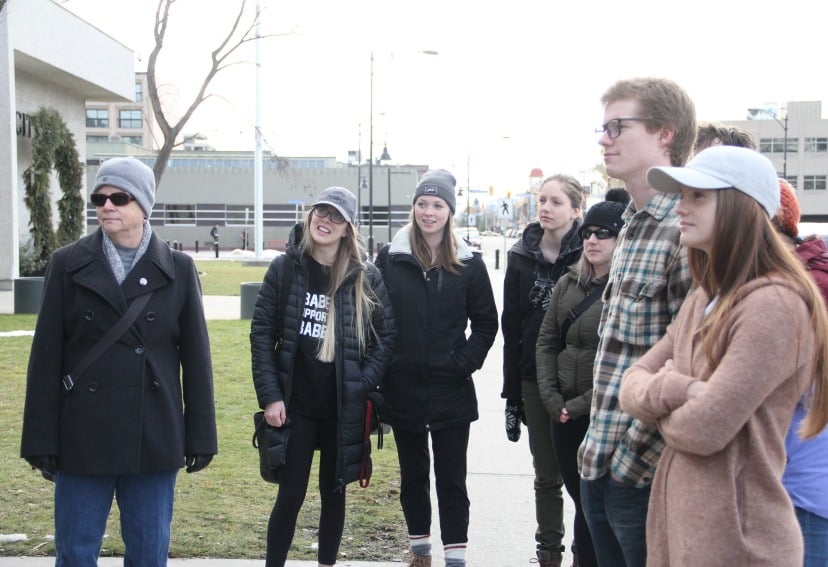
(548, 482)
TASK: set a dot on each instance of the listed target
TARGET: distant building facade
(130, 122)
(201, 189)
(800, 152)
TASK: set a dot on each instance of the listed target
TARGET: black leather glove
(197, 462)
(46, 464)
(514, 416)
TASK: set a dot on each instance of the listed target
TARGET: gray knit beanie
(130, 175)
(437, 183)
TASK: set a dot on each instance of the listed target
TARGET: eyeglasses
(328, 212)
(117, 199)
(614, 127)
(600, 233)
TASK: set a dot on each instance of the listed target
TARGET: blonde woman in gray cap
(437, 287)
(122, 323)
(723, 383)
(321, 335)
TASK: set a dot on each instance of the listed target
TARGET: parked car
(471, 235)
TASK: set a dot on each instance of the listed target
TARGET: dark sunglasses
(118, 199)
(600, 233)
(328, 212)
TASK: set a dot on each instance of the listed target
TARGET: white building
(795, 139)
(50, 58)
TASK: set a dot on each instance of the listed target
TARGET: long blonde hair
(446, 252)
(747, 247)
(349, 259)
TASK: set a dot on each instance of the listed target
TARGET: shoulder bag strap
(283, 294)
(112, 335)
(576, 312)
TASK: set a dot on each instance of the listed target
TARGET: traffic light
(508, 194)
(491, 190)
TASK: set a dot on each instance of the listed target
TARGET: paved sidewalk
(500, 475)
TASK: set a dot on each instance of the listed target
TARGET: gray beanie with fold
(130, 175)
(437, 183)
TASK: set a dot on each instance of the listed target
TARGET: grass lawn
(219, 512)
(222, 277)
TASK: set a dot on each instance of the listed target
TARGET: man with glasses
(647, 122)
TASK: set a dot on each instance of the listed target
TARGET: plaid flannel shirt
(648, 281)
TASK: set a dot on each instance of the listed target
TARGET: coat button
(155, 385)
(151, 316)
(93, 387)
(89, 315)
(139, 349)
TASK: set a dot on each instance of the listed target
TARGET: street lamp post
(784, 124)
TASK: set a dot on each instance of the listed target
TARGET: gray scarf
(118, 269)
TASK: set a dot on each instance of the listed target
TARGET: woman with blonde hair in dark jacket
(314, 368)
(437, 287)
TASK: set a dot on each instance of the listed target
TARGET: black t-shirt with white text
(314, 382)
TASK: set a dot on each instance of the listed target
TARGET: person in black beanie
(437, 287)
(546, 250)
(566, 346)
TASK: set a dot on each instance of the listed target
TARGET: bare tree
(219, 57)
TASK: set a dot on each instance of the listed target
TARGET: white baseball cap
(723, 167)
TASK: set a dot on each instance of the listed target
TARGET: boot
(420, 561)
(548, 558)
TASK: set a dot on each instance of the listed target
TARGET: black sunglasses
(118, 199)
(600, 233)
(335, 216)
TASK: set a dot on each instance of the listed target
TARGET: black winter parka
(429, 385)
(146, 402)
(521, 320)
(356, 373)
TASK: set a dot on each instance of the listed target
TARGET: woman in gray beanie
(437, 286)
(124, 419)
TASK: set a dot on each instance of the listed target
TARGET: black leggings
(567, 438)
(308, 433)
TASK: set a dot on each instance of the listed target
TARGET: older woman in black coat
(143, 408)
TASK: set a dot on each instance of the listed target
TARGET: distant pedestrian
(143, 407)
(544, 254)
(723, 383)
(437, 286)
(314, 368)
(214, 233)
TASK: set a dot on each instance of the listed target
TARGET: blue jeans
(815, 532)
(617, 518)
(82, 504)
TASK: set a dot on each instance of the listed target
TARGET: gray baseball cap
(341, 199)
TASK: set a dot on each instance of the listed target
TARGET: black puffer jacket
(356, 373)
(521, 319)
(428, 385)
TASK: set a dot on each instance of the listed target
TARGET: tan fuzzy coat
(717, 497)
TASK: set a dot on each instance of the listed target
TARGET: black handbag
(272, 443)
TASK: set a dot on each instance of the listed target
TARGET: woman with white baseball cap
(723, 383)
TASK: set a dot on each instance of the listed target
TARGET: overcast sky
(516, 85)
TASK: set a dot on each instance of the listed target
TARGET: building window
(137, 140)
(97, 118)
(239, 215)
(179, 215)
(792, 180)
(139, 92)
(814, 182)
(130, 119)
(777, 145)
(816, 144)
(97, 138)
